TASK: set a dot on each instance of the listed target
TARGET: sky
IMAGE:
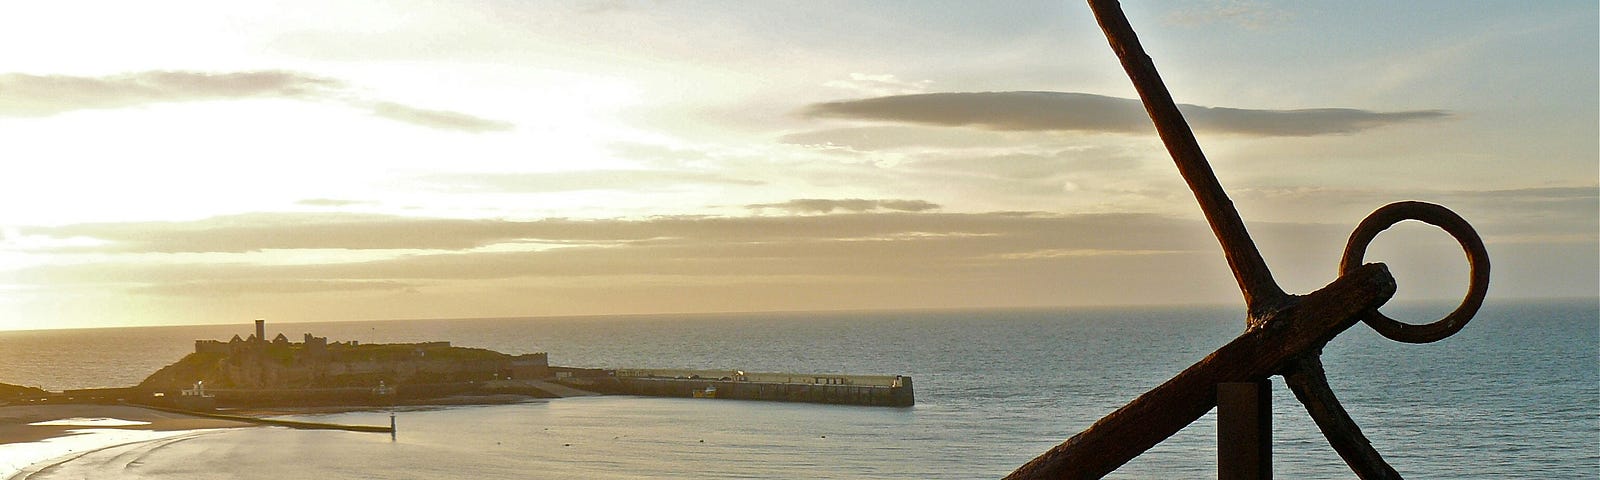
(217, 162)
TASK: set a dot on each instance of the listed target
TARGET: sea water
(1514, 395)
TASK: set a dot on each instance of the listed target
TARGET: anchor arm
(1310, 385)
(1304, 326)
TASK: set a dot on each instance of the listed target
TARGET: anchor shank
(1285, 334)
(1261, 292)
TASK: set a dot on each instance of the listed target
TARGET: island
(253, 372)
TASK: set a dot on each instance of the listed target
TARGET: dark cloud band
(281, 231)
(856, 205)
(23, 95)
(1067, 111)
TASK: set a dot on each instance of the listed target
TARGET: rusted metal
(1310, 385)
(1244, 430)
(1261, 292)
(1258, 353)
(1477, 262)
(1284, 333)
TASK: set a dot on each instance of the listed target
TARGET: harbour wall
(298, 425)
(885, 391)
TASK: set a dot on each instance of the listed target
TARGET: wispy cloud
(279, 231)
(327, 202)
(824, 249)
(879, 85)
(225, 288)
(1068, 111)
(545, 182)
(1541, 214)
(282, 231)
(440, 119)
(856, 205)
(1029, 255)
(24, 95)
(886, 137)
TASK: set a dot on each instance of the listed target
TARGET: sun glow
(372, 159)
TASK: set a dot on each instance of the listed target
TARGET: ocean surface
(1514, 395)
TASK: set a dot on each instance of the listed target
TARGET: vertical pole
(1244, 430)
(394, 433)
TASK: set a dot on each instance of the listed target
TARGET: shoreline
(26, 459)
(37, 437)
(73, 430)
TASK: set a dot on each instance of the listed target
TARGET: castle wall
(211, 346)
(531, 366)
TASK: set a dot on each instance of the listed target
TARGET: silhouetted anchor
(1284, 333)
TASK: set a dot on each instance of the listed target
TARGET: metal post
(1244, 430)
(393, 432)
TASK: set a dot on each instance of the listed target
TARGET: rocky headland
(253, 372)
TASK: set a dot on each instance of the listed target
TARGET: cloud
(24, 95)
(274, 231)
(879, 85)
(977, 257)
(545, 182)
(1541, 194)
(327, 202)
(1036, 166)
(1522, 215)
(220, 287)
(886, 137)
(844, 245)
(279, 231)
(1299, 123)
(1068, 111)
(857, 205)
(440, 119)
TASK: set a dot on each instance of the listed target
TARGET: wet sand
(15, 420)
(72, 431)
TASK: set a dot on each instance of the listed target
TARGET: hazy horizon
(212, 163)
(1432, 307)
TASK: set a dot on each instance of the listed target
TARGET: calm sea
(1514, 395)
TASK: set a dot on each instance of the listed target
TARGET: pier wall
(765, 377)
(900, 395)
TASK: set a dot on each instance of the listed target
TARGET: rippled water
(1514, 395)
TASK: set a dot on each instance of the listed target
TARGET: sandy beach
(15, 420)
(33, 435)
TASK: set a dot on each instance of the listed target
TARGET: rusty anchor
(1284, 333)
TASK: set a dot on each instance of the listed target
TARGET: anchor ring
(1438, 216)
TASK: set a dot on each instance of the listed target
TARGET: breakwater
(867, 390)
(295, 424)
